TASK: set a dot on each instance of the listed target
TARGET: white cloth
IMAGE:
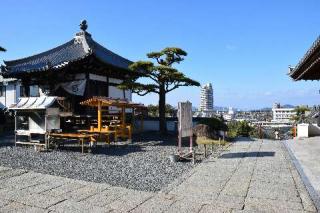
(74, 87)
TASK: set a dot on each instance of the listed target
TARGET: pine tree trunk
(162, 110)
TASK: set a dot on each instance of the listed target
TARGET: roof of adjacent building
(308, 67)
(80, 47)
(28, 103)
(6, 80)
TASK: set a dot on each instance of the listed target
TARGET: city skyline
(243, 48)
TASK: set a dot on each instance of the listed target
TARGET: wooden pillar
(123, 112)
(132, 119)
(99, 116)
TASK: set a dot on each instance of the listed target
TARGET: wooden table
(96, 132)
(79, 136)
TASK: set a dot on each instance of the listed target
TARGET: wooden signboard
(185, 118)
(185, 127)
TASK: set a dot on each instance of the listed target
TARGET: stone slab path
(252, 176)
(306, 155)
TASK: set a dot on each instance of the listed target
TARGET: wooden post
(123, 112)
(82, 145)
(191, 143)
(205, 150)
(99, 116)
(212, 146)
(132, 120)
(123, 122)
(179, 143)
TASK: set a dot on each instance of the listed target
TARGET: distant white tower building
(206, 100)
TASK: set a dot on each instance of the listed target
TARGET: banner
(74, 87)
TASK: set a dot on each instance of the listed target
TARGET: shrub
(202, 130)
(239, 128)
(214, 123)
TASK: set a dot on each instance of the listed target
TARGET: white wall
(153, 125)
(12, 93)
(34, 91)
(308, 130)
(114, 92)
(303, 130)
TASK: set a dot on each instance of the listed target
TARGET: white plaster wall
(128, 95)
(11, 96)
(114, 92)
(153, 125)
(34, 91)
(308, 130)
(115, 81)
(303, 130)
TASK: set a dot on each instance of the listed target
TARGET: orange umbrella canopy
(106, 101)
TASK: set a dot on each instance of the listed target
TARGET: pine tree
(165, 78)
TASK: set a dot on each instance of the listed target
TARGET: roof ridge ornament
(83, 25)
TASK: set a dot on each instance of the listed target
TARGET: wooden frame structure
(103, 104)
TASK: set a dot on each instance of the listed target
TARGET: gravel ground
(142, 165)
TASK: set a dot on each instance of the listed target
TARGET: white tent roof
(26, 103)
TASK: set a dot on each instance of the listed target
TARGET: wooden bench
(81, 137)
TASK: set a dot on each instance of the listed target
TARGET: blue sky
(242, 47)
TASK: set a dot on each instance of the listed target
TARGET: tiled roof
(308, 63)
(81, 46)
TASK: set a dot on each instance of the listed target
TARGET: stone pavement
(252, 176)
(306, 155)
(23, 191)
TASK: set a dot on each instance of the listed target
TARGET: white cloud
(268, 93)
(231, 47)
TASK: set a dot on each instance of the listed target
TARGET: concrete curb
(312, 192)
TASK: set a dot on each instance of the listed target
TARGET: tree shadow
(6, 144)
(243, 139)
(247, 154)
(156, 139)
(7, 140)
